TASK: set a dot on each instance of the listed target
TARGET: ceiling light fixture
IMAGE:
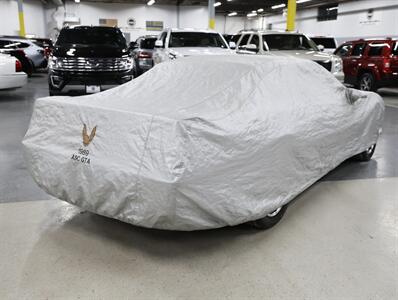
(77, 1)
(234, 13)
(260, 10)
(278, 6)
(151, 2)
(302, 1)
(217, 4)
(252, 14)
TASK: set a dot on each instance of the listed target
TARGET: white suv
(288, 44)
(174, 43)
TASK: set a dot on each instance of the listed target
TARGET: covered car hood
(311, 55)
(192, 51)
(200, 149)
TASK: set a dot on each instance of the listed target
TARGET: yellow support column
(212, 13)
(21, 18)
(291, 15)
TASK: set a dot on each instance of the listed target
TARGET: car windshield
(148, 43)
(92, 36)
(326, 42)
(196, 39)
(288, 42)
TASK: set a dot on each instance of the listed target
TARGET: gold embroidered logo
(86, 138)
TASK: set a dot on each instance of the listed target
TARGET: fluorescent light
(252, 14)
(235, 13)
(151, 2)
(302, 1)
(217, 4)
(333, 8)
(77, 1)
(260, 10)
(278, 6)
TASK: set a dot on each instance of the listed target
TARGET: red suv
(370, 64)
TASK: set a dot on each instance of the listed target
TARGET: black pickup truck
(89, 59)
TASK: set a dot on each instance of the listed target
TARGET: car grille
(82, 64)
(326, 64)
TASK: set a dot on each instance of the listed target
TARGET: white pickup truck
(175, 43)
(11, 75)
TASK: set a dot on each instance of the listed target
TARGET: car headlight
(53, 62)
(338, 64)
(127, 63)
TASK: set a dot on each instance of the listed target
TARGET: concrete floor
(338, 240)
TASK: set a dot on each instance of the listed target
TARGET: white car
(174, 43)
(288, 44)
(11, 75)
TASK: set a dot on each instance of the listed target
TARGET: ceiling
(242, 7)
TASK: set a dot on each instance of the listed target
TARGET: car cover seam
(142, 157)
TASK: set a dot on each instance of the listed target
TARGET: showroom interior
(199, 149)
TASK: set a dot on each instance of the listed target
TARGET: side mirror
(159, 44)
(321, 47)
(232, 45)
(251, 48)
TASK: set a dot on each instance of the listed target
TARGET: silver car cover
(200, 142)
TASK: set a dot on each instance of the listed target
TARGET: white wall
(34, 17)
(230, 25)
(351, 23)
(90, 13)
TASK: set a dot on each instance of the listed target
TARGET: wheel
(366, 155)
(269, 220)
(367, 82)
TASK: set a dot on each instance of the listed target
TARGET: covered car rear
(200, 142)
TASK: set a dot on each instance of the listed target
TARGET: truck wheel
(269, 220)
(366, 155)
(367, 82)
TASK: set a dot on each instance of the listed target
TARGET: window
(147, 43)
(196, 39)
(163, 38)
(235, 38)
(395, 49)
(328, 12)
(343, 50)
(3, 44)
(13, 44)
(376, 49)
(288, 42)
(244, 40)
(358, 49)
(104, 36)
(325, 41)
(255, 41)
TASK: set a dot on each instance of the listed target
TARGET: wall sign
(131, 22)
(154, 25)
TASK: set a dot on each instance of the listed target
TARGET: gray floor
(16, 108)
(338, 239)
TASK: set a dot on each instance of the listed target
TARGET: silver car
(35, 53)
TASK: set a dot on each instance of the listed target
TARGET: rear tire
(367, 83)
(269, 220)
(366, 155)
